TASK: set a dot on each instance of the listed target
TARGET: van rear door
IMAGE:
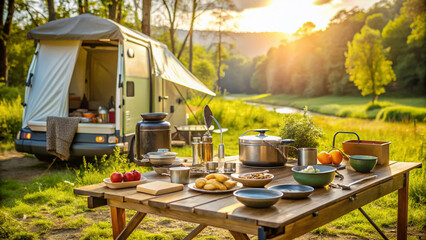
(136, 85)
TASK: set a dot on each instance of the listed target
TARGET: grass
(389, 108)
(33, 210)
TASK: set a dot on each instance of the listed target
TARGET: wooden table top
(223, 206)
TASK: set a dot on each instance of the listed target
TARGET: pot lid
(260, 138)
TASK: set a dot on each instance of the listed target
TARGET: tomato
(136, 175)
(116, 177)
(128, 176)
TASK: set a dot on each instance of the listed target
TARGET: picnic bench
(287, 219)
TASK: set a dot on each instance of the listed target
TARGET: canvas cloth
(60, 134)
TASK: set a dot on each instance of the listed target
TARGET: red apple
(116, 177)
(128, 176)
(136, 175)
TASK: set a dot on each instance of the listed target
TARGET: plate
(119, 185)
(293, 191)
(252, 182)
(192, 186)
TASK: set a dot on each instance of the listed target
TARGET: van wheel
(132, 150)
(44, 158)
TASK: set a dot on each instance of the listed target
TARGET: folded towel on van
(60, 132)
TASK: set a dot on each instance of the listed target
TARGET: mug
(179, 175)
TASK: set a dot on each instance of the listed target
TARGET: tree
(146, 17)
(5, 26)
(366, 63)
(51, 10)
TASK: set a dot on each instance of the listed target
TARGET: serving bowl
(258, 197)
(161, 158)
(362, 163)
(322, 178)
(252, 182)
(293, 191)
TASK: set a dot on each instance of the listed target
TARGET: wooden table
(285, 220)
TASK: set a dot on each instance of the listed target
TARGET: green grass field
(349, 106)
(47, 204)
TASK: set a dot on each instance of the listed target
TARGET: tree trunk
(4, 35)
(219, 50)
(119, 13)
(51, 9)
(146, 17)
(113, 10)
(191, 54)
(135, 12)
(81, 7)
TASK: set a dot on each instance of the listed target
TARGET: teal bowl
(320, 179)
(362, 163)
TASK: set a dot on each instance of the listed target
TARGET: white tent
(53, 66)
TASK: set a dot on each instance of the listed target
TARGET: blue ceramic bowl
(258, 197)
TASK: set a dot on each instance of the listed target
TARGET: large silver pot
(262, 150)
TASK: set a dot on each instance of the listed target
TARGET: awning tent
(89, 27)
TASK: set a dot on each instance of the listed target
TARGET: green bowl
(320, 179)
(362, 163)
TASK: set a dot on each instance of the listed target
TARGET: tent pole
(202, 100)
(184, 99)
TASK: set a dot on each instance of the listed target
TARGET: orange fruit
(336, 156)
(324, 157)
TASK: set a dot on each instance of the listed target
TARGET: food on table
(116, 177)
(324, 157)
(136, 175)
(128, 176)
(310, 169)
(255, 176)
(215, 181)
(336, 157)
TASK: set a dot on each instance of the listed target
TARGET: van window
(137, 64)
(130, 89)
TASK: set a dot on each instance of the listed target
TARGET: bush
(11, 93)
(402, 113)
(302, 130)
(10, 118)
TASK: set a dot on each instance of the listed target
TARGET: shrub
(10, 118)
(11, 93)
(300, 128)
(402, 113)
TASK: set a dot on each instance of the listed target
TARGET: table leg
(134, 222)
(118, 220)
(403, 210)
(195, 232)
(239, 236)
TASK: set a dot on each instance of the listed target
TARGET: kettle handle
(260, 131)
(334, 137)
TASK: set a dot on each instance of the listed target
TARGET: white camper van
(87, 62)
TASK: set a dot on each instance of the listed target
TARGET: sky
(281, 15)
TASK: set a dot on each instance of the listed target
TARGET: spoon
(348, 186)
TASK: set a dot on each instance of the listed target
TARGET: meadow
(389, 107)
(47, 205)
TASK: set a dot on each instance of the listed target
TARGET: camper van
(86, 63)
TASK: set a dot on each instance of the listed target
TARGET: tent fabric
(89, 27)
(52, 76)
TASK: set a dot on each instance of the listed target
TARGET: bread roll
(210, 176)
(230, 184)
(209, 187)
(221, 178)
(199, 183)
(216, 183)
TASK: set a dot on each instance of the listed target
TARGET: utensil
(161, 158)
(320, 179)
(258, 183)
(192, 187)
(262, 150)
(179, 175)
(211, 166)
(307, 156)
(362, 163)
(258, 197)
(348, 186)
(230, 166)
(293, 191)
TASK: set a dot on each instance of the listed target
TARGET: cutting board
(159, 187)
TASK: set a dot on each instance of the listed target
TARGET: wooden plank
(118, 220)
(164, 200)
(138, 197)
(188, 217)
(95, 190)
(133, 223)
(336, 210)
(402, 224)
(188, 204)
(219, 208)
(195, 232)
(239, 236)
(94, 202)
(288, 211)
(118, 194)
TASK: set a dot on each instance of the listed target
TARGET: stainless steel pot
(263, 150)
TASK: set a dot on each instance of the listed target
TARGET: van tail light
(112, 139)
(100, 139)
(25, 135)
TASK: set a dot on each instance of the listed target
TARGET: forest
(311, 65)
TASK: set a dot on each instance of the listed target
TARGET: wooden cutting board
(159, 187)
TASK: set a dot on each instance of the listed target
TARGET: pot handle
(334, 138)
(276, 148)
(260, 131)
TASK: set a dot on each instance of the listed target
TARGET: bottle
(197, 157)
(207, 147)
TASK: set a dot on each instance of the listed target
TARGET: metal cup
(307, 156)
(212, 166)
(179, 175)
(230, 166)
